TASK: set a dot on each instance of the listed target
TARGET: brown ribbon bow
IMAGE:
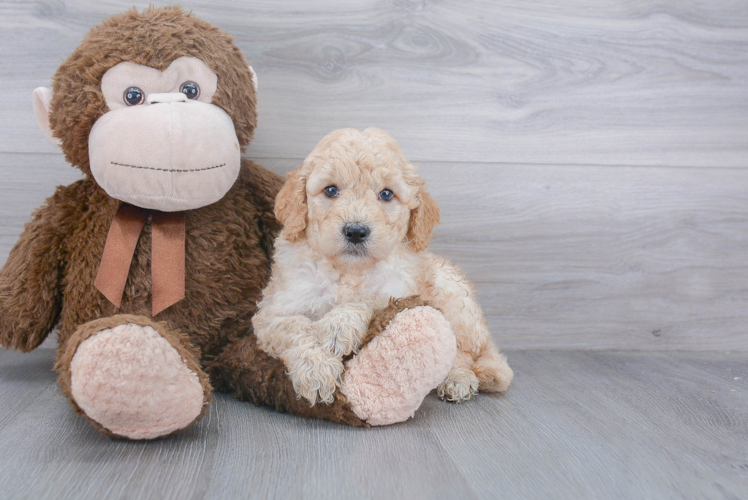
(167, 255)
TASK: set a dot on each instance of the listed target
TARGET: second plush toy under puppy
(357, 222)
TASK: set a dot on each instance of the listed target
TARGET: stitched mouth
(168, 169)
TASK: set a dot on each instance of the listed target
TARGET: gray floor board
(573, 425)
(638, 427)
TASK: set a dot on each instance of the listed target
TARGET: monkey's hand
(30, 297)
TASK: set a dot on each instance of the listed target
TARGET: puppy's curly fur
(326, 285)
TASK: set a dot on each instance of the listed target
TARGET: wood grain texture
(573, 425)
(590, 257)
(546, 132)
(606, 425)
(563, 257)
(600, 83)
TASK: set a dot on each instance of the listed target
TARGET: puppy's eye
(133, 96)
(331, 191)
(386, 195)
(190, 89)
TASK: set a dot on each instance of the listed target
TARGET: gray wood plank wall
(590, 158)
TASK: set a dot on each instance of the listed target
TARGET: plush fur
(48, 279)
(154, 38)
(119, 366)
(245, 364)
(387, 382)
(185, 349)
(383, 317)
(135, 383)
(324, 288)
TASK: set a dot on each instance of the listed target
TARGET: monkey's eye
(133, 96)
(190, 89)
(331, 191)
(386, 195)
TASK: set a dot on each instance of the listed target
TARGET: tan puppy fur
(324, 288)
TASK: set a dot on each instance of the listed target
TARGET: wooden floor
(591, 164)
(613, 425)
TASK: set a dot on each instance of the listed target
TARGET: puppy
(356, 224)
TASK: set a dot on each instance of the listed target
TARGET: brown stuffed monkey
(152, 265)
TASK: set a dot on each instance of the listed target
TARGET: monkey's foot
(388, 380)
(134, 383)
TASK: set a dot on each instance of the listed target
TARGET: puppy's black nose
(355, 232)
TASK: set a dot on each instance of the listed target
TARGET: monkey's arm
(264, 186)
(30, 298)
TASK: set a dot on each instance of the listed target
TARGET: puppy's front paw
(341, 334)
(315, 373)
(459, 386)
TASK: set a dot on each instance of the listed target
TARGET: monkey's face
(163, 145)
(156, 106)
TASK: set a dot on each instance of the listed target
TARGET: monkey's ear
(254, 77)
(291, 207)
(423, 219)
(42, 100)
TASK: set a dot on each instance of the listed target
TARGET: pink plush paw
(133, 382)
(387, 381)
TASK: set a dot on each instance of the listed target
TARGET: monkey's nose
(355, 232)
(166, 97)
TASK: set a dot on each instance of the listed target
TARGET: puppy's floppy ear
(291, 208)
(423, 219)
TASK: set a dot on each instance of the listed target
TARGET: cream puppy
(357, 222)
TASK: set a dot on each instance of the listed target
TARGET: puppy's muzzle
(356, 232)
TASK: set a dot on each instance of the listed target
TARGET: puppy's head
(356, 198)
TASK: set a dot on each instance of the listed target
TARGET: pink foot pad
(387, 381)
(133, 382)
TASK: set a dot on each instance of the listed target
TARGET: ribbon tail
(118, 251)
(167, 260)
